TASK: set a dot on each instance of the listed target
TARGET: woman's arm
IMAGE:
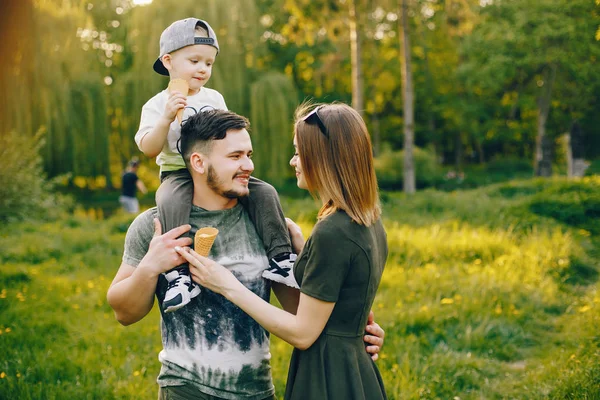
(300, 330)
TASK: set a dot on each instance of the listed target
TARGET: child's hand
(176, 102)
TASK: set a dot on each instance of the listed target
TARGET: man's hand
(161, 255)
(176, 102)
(295, 235)
(375, 337)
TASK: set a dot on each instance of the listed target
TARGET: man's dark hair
(199, 131)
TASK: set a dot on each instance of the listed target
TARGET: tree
(408, 94)
(273, 101)
(531, 52)
(356, 56)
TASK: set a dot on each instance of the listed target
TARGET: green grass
(488, 294)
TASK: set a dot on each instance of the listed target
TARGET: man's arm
(131, 294)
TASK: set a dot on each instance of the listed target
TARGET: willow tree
(56, 87)
(271, 108)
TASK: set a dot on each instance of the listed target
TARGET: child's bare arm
(152, 143)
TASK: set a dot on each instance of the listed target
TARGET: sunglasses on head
(313, 118)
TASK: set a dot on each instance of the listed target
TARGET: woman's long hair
(338, 163)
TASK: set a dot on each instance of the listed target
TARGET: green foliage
(390, 164)
(579, 208)
(501, 169)
(57, 86)
(594, 168)
(272, 105)
(83, 72)
(509, 166)
(500, 64)
(25, 193)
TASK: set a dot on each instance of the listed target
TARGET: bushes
(594, 168)
(25, 193)
(510, 167)
(390, 164)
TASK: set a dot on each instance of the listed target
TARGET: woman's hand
(295, 235)
(209, 273)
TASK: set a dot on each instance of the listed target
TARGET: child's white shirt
(169, 158)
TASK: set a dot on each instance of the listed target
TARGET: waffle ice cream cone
(204, 239)
(181, 86)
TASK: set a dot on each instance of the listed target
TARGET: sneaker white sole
(289, 281)
(178, 304)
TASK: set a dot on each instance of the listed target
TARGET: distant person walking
(130, 183)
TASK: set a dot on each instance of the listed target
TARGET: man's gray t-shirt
(211, 343)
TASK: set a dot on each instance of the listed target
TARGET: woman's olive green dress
(341, 262)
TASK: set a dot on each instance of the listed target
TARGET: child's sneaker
(281, 269)
(180, 290)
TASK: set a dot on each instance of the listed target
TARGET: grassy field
(487, 294)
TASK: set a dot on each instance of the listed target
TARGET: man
(130, 183)
(211, 349)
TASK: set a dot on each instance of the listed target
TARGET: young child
(188, 49)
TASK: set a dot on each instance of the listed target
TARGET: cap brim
(160, 68)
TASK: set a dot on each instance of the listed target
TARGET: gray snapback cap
(180, 34)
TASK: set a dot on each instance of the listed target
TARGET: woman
(338, 269)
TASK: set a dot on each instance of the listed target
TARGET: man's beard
(216, 185)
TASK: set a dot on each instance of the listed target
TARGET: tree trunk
(568, 151)
(376, 135)
(357, 78)
(577, 150)
(479, 147)
(543, 163)
(431, 94)
(408, 101)
(458, 152)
